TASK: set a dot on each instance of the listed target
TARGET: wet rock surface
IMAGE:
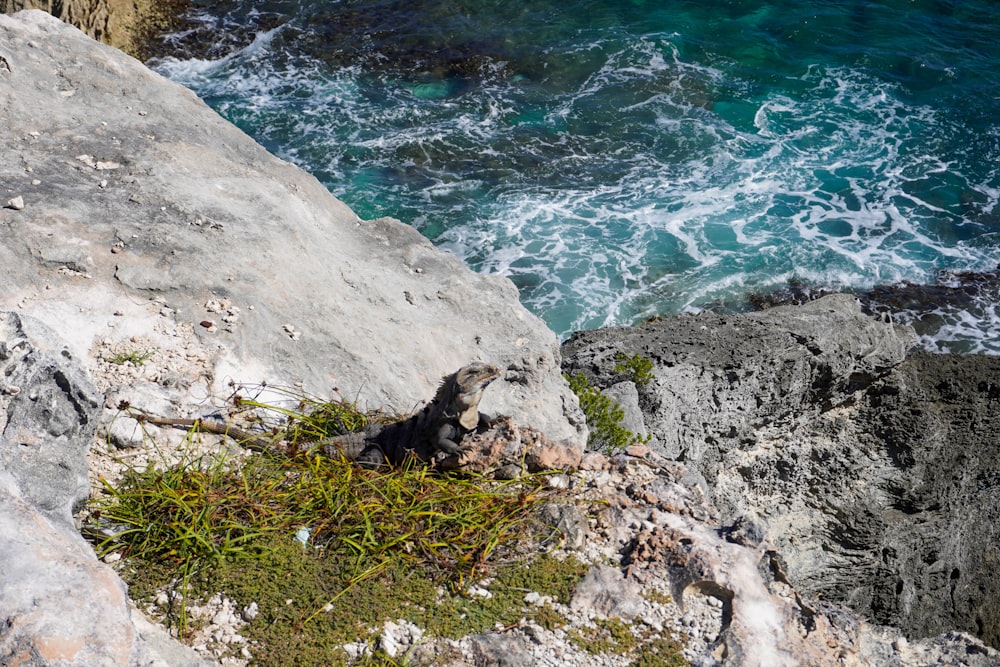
(873, 475)
(126, 24)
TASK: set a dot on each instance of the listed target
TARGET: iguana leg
(445, 439)
(372, 458)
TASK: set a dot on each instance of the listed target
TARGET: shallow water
(619, 160)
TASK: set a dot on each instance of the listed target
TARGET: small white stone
(557, 482)
(224, 617)
(480, 592)
(355, 650)
(16, 203)
(250, 612)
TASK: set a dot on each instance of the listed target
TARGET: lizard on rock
(438, 427)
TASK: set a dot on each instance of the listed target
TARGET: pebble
(558, 482)
(16, 203)
(478, 591)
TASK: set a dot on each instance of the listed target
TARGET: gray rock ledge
(872, 472)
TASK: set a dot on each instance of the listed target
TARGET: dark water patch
(213, 30)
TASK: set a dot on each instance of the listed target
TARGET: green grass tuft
(134, 357)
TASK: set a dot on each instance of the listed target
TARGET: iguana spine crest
(437, 428)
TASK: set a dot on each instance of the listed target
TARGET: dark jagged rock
(873, 472)
(743, 379)
(48, 414)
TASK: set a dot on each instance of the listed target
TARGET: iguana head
(469, 383)
(476, 375)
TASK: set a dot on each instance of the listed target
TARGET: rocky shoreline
(804, 471)
(129, 25)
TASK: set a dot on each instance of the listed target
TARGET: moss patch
(613, 635)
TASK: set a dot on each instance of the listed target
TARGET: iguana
(438, 427)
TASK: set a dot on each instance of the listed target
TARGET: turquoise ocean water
(624, 159)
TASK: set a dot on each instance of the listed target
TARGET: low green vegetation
(609, 635)
(329, 551)
(638, 368)
(604, 417)
(657, 597)
(613, 635)
(134, 357)
(660, 652)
